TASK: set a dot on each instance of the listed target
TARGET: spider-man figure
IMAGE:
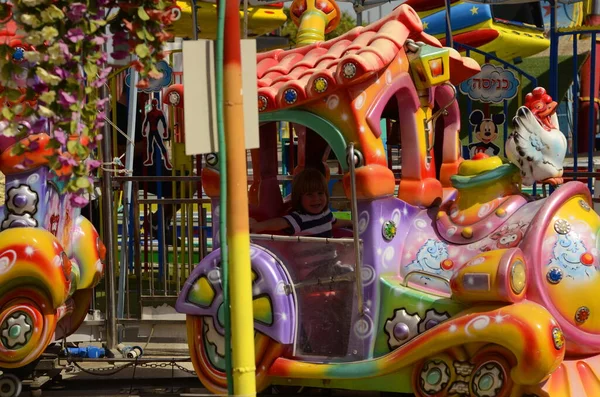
(153, 118)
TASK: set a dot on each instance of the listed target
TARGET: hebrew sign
(493, 84)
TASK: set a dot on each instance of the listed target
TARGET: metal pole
(131, 125)
(449, 39)
(357, 256)
(245, 19)
(553, 88)
(107, 209)
(195, 19)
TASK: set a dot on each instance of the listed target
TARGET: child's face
(314, 203)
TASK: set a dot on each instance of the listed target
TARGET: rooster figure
(536, 145)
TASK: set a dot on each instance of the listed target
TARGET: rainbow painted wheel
(10, 386)
(491, 375)
(26, 328)
(207, 351)
(433, 377)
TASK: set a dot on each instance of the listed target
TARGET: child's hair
(308, 180)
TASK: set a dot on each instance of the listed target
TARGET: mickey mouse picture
(486, 132)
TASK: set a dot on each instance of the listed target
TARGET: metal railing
(160, 253)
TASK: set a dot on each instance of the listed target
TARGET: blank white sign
(200, 96)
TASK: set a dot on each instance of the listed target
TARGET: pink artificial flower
(78, 201)
(65, 99)
(76, 11)
(60, 136)
(92, 164)
(75, 35)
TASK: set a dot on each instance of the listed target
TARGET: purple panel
(270, 281)
(380, 255)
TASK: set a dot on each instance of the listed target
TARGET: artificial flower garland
(53, 73)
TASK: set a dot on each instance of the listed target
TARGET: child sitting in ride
(310, 214)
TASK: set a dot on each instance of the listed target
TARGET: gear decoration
(349, 70)
(401, 328)
(584, 205)
(562, 226)
(554, 275)
(558, 337)
(432, 318)
(213, 337)
(582, 314)
(22, 200)
(434, 377)
(389, 230)
(21, 204)
(488, 380)
(460, 385)
(25, 220)
(16, 330)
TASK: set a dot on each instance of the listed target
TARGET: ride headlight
(518, 277)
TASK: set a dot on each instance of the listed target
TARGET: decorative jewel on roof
(290, 96)
(262, 103)
(320, 85)
(349, 70)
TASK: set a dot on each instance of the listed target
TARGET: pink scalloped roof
(344, 61)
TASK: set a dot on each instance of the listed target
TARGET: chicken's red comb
(538, 94)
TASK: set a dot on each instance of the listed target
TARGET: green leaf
(53, 144)
(91, 70)
(7, 113)
(149, 36)
(140, 34)
(143, 14)
(12, 94)
(142, 50)
(18, 149)
(72, 146)
(82, 183)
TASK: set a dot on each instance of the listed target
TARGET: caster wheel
(35, 392)
(10, 386)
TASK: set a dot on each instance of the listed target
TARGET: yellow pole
(242, 322)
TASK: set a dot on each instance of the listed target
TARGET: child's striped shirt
(302, 224)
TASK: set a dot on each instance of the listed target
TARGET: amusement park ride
(459, 284)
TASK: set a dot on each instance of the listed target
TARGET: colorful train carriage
(457, 288)
(51, 257)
